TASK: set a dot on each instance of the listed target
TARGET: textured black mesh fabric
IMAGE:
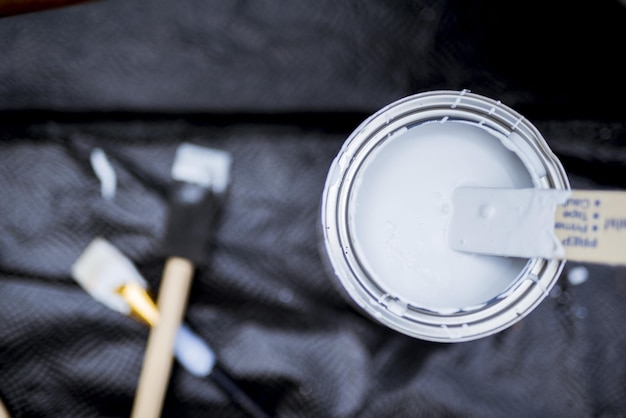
(280, 86)
(195, 55)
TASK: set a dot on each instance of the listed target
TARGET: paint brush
(577, 225)
(112, 279)
(201, 176)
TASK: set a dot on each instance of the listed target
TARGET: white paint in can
(400, 214)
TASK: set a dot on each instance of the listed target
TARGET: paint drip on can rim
(387, 202)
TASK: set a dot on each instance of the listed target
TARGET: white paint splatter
(577, 275)
(285, 295)
(105, 173)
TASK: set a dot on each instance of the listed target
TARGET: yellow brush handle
(157, 363)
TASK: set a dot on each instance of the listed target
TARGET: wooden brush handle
(4, 413)
(157, 363)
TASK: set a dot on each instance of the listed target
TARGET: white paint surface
(401, 206)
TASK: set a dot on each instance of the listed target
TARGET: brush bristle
(102, 270)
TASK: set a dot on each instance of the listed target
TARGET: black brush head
(191, 222)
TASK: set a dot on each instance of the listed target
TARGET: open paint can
(387, 203)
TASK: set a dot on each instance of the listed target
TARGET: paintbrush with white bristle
(112, 279)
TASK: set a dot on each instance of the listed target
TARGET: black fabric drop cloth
(280, 85)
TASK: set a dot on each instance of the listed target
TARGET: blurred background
(280, 85)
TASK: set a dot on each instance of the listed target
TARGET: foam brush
(201, 176)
